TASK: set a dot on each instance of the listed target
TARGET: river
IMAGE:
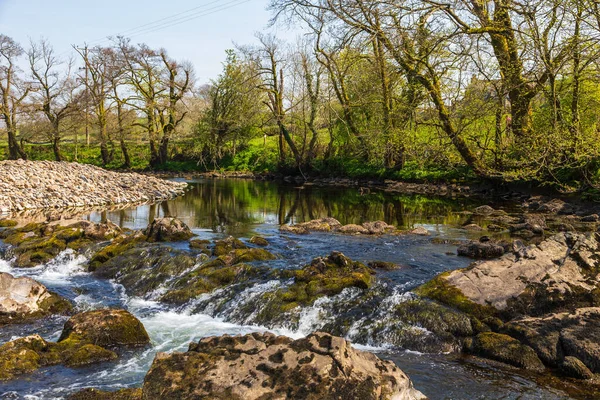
(243, 208)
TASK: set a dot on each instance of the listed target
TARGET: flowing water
(218, 208)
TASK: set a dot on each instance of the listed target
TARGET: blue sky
(202, 40)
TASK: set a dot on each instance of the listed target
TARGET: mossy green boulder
(505, 349)
(106, 328)
(324, 276)
(86, 339)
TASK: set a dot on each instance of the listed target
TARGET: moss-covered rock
(226, 246)
(440, 290)
(208, 277)
(106, 328)
(38, 243)
(259, 241)
(327, 276)
(8, 223)
(199, 244)
(89, 354)
(95, 394)
(117, 247)
(505, 349)
(143, 269)
(80, 343)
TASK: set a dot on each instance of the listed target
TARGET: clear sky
(200, 33)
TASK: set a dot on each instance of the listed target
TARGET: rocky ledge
(28, 185)
(536, 307)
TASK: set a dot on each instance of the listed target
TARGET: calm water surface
(218, 208)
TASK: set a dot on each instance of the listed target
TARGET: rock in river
(167, 230)
(265, 366)
(24, 298)
(86, 339)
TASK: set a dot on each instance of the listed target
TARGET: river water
(218, 208)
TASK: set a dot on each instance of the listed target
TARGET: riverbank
(34, 185)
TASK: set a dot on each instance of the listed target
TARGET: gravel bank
(28, 185)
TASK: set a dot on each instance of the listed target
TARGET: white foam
(5, 266)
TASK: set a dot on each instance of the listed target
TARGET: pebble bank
(28, 185)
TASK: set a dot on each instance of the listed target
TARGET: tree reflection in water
(235, 206)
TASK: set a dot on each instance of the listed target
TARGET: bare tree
(55, 95)
(13, 91)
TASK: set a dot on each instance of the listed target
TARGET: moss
(440, 290)
(505, 349)
(118, 246)
(69, 234)
(223, 247)
(210, 276)
(8, 223)
(250, 255)
(199, 244)
(107, 328)
(323, 277)
(89, 354)
(259, 241)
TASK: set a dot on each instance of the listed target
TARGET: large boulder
(168, 230)
(107, 328)
(265, 366)
(85, 340)
(559, 273)
(24, 298)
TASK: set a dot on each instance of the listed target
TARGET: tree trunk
(125, 151)
(15, 151)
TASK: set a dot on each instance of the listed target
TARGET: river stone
(265, 366)
(481, 250)
(168, 230)
(353, 229)
(259, 241)
(419, 231)
(106, 328)
(24, 298)
(505, 349)
(527, 281)
(574, 368)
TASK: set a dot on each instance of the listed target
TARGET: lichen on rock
(265, 366)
